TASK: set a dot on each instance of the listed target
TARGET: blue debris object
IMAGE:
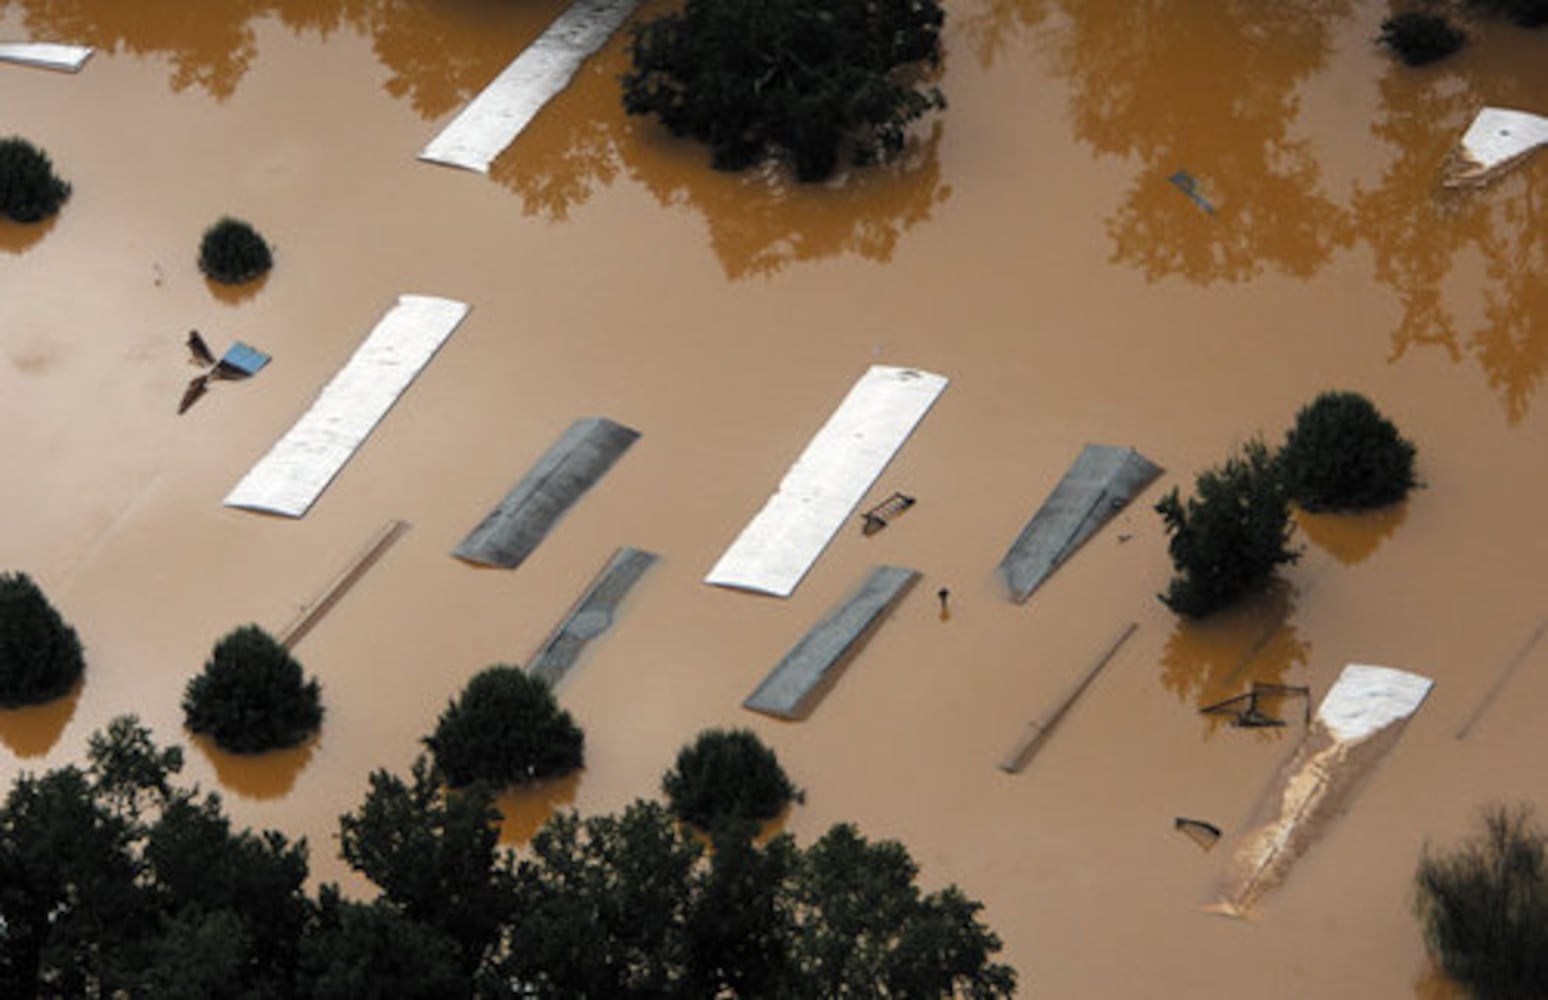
(1189, 185)
(246, 360)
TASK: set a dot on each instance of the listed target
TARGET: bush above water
(726, 776)
(1228, 539)
(232, 252)
(40, 655)
(1342, 454)
(29, 189)
(251, 696)
(505, 729)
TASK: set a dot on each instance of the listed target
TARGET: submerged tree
(252, 696)
(1484, 907)
(1229, 538)
(801, 81)
(231, 252)
(726, 775)
(505, 728)
(40, 655)
(1342, 454)
(30, 191)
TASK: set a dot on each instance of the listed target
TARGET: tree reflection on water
(1423, 237)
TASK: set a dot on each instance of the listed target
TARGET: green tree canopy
(1229, 538)
(505, 728)
(115, 883)
(434, 854)
(40, 655)
(1342, 454)
(726, 775)
(1484, 908)
(252, 696)
(806, 82)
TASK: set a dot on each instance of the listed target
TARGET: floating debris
(1497, 140)
(1248, 714)
(240, 361)
(881, 515)
(1189, 185)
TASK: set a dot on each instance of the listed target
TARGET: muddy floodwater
(1032, 248)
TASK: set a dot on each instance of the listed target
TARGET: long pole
(1038, 729)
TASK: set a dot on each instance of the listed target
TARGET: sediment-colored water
(1032, 249)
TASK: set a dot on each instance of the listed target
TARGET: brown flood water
(1032, 249)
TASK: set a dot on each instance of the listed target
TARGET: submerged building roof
(793, 685)
(1096, 487)
(571, 466)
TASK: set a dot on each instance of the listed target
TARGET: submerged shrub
(232, 252)
(800, 81)
(726, 776)
(252, 696)
(1484, 908)
(505, 728)
(40, 655)
(1228, 539)
(1419, 38)
(29, 189)
(1342, 454)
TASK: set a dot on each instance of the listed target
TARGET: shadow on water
(1423, 237)
(1140, 90)
(257, 776)
(33, 731)
(1221, 656)
(233, 295)
(19, 237)
(1351, 538)
(524, 810)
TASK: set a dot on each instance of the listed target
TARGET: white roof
(821, 489)
(1367, 699)
(299, 467)
(498, 114)
(1496, 139)
(52, 55)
